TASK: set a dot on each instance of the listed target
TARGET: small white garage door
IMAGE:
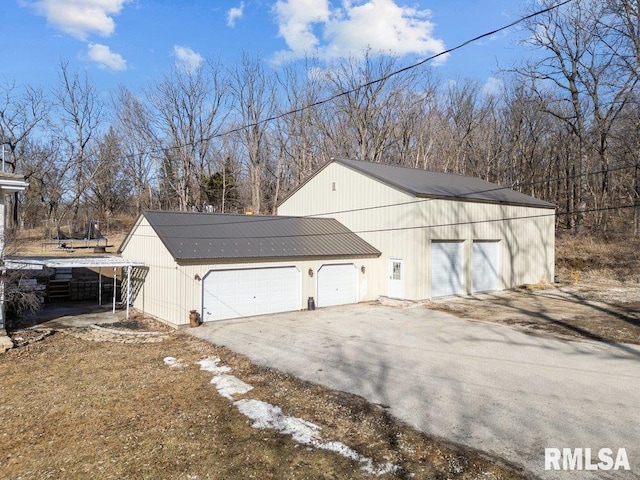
(447, 276)
(485, 266)
(337, 284)
(248, 292)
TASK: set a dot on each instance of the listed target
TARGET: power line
(271, 218)
(414, 227)
(392, 74)
(361, 86)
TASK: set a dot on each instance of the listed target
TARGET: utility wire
(413, 227)
(359, 87)
(391, 74)
(272, 218)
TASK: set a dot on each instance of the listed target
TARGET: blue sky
(134, 42)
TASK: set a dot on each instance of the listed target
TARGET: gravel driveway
(487, 386)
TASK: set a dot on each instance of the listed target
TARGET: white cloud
(234, 14)
(493, 87)
(384, 26)
(186, 58)
(80, 17)
(105, 58)
(296, 19)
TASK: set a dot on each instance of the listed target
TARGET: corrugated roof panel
(423, 183)
(199, 236)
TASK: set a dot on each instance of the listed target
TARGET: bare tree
(22, 112)
(78, 122)
(186, 116)
(299, 146)
(366, 106)
(254, 100)
(581, 61)
(111, 187)
(141, 156)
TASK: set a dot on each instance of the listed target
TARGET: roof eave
(546, 205)
(227, 261)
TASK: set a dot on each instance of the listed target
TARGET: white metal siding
(447, 273)
(485, 266)
(247, 292)
(380, 214)
(337, 285)
(161, 292)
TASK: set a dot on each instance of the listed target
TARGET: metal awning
(38, 263)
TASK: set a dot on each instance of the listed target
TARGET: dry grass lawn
(73, 408)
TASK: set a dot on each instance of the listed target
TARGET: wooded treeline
(564, 126)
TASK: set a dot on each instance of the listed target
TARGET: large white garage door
(447, 276)
(337, 284)
(485, 266)
(248, 292)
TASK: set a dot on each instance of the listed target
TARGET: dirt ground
(84, 403)
(596, 296)
(593, 309)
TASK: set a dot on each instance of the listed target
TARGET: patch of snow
(211, 365)
(174, 362)
(265, 415)
(229, 385)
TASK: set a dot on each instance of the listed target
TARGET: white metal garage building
(231, 266)
(439, 234)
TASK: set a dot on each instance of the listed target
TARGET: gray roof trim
(226, 237)
(426, 184)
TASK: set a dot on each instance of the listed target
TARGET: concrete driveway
(487, 386)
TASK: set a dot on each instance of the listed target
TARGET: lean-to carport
(37, 263)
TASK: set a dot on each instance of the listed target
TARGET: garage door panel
(485, 266)
(447, 275)
(247, 292)
(337, 285)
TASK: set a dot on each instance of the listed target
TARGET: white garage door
(485, 266)
(447, 276)
(248, 292)
(337, 285)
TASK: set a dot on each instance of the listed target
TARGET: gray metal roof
(207, 236)
(423, 183)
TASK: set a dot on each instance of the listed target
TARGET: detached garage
(231, 266)
(440, 234)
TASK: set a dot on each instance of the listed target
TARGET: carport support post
(128, 288)
(100, 286)
(114, 290)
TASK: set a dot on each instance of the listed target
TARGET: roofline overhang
(412, 193)
(546, 205)
(239, 260)
(12, 185)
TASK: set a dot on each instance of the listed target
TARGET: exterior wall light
(311, 272)
(196, 277)
(363, 269)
